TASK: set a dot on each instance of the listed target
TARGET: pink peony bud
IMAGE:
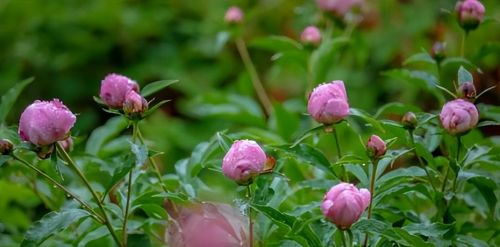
(467, 91)
(234, 15)
(311, 35)
(438, 51)
(114, 88)
(339, 7)
(409, 120)
(376, 147)
(470, 13)
(208, 225)
(459, 116)
(134, 103)
(344, 204)
(244, 160)
(328, 103)
(6, 146)
(45, 122)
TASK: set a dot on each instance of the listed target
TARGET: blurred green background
(69, 46)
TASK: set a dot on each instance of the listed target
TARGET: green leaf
(224, 141)
(456, 61)
(308, 154)
(365, 116)
(276, 43)
(126, 162)
(321, 59)
(112, 128)
(153, 109)
(51, 224)
(464, 76)
(429, 229)
(420, 57)
(485, 185)
(141, 153)
(156, 86)
(10, 97)
(95, 234)
(282, 220)
(488, 123)
(3, 159)
(306, 134)
(395, 234)
(138, 240)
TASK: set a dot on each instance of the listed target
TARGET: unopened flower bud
(234, 15)
(67, 144)
(114, 88)
(344, 204)
(339, 7)
(376, 147)
(6, 147)
(311, 35)
(467, 91)
(244, 160)
(470, 13)
(409, 120)
(134, 104)
(438, 51)
(46, 122)
(459, 116)
(328, 104)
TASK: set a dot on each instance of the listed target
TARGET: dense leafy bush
(283, 123)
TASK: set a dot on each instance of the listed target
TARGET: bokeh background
(69, 46)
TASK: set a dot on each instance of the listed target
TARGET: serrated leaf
(156, 86)
(51, 224)
(104, 133)
(10, 97)
(464, 76)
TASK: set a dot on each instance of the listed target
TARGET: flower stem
(257, 83)
(462, 45)
(60, 186)
(420, 161)
(129, 190)
(342, 238)
(459, 143)
(107, 222)
(339, 153)
(250, 222)
(152, 162)
(372, 193)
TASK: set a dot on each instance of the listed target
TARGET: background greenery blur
(69, 46)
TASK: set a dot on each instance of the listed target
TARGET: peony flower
(244, 160)
(376, 146)
(234, 15)
(467, 91)
(114, 88)
(339, 7)
(311, 35)
(328, 103)
(459, 116)
(134, 103)
(46, 122)
(409, 120)
(344, 204)
(208, 225)
(470, 13)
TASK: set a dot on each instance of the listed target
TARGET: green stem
(60, 186)
(153, 163)
(372, 193)
(250, 221)
(129, 190)
(342, 238)
(420, 161)
(257, 83)
(462, 45)
(107, 222)
(459, 143)
(443, 187)
(337, 144)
